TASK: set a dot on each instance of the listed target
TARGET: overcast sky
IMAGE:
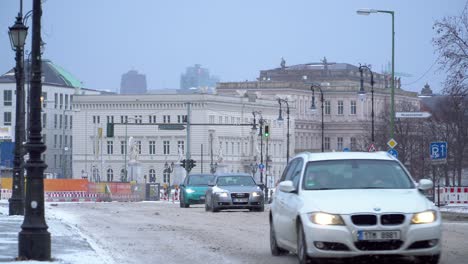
(99, 40)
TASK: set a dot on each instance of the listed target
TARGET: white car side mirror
(425, 184)
(287, 186)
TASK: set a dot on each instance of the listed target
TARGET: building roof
(53, 74)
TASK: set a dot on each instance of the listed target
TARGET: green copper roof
(67, 77)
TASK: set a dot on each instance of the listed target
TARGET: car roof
(321, 156)
(201, 174)
(233, 174)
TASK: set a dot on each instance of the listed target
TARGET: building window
(96, 120)
(166, 119)
(60, 141)
(55, 141)
(61, 101)
(211, 119)
(353, 143)
(327, 107)
(138, 119)
(65, 139)
(166, 176)
(44, 120)
(60, 121)
(7, 118)
(44, 100)
(220, 120)
(166, 149)
(123, 147)
(152, 175)
(66, 101)
(66, 121)
(123, 119)
(152, 119)
(55, 120)
(110, 175)
(110, 119)
(182, 119)
(71, 122)
(110, 147)
(327, 143)
(138, 145)
(7, 97)
(353, 107)
(339, 144)
(152, 147)
(181, 146)
(55, 100)
(340, 107)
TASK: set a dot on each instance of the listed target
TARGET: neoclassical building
(220, 135)
(346, 116)
(58, 90)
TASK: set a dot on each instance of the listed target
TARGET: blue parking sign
(438, 150)
(393, 152)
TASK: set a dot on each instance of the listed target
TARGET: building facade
(133, 83)
(346, 117)
(197, 77)
(221, 136)
(58, 89)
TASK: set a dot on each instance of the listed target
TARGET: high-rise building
(133, 83)
(197, 77)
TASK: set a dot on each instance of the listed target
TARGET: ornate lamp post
(18, 33)
(34, 239)
(280, 119)
(254, 127)
(362, 92)
(313, 108)
(367, 12)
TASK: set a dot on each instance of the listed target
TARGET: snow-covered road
(156, 232)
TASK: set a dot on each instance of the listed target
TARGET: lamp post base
(34, 245)
(16, 206)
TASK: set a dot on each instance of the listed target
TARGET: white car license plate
(378, 235)
(240, 200)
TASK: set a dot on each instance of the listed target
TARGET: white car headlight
(424, 217)
(326, 219)
(222, 194)
(190, 191)
(256, 194)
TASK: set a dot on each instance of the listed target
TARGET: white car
(350, 204)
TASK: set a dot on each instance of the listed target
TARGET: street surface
(157, 232)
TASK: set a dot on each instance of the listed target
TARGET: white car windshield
(235, 180)
(355, 174)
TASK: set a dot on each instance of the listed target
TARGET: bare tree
(451, 42)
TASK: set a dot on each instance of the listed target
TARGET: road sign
(393, 152)
(412, 114)
(171, 127)
(261, 166)
(392, 143)
(346, 150)
(372, 148)
(438, 150)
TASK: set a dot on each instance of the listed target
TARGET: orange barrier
(58, 185)
(6, 183)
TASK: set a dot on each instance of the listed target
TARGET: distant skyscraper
(133, 83)
(197, 76)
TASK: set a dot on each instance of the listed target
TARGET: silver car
(345, 204)
(234, 191)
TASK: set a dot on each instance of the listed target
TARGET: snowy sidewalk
(69, 245)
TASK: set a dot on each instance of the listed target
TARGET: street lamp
(254, 127)
(392, 100)
(313, 108)
(253, 168)
(280, 119)
(18, 34)
(362, 92)
(34, 240)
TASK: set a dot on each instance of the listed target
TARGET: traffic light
(193, 163)
(182, 163)
(267, 131)
(110, 130)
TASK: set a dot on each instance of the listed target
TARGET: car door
(280, 217)
(292, 204)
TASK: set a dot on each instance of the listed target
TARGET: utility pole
(187, 154)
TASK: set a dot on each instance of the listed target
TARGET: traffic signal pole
(187, 153)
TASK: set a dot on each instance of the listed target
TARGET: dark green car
(192, 190)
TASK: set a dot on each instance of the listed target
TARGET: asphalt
(68, 244)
